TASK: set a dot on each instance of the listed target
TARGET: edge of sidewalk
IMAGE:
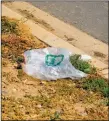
(51, 39)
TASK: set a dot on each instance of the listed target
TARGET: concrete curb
(50, 38)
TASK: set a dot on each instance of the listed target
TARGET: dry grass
(27, 98)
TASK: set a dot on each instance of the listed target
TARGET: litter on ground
(51, 64)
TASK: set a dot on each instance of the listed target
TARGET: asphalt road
(90, 17)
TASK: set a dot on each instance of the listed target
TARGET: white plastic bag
(50, 64)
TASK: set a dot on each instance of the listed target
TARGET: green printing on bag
(50, 60)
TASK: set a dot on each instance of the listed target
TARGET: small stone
(14, 90)
(91, 92)
(39, 106)
(21, 106)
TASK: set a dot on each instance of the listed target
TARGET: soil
(27, 98)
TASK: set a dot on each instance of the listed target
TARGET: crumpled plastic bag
(50, 64)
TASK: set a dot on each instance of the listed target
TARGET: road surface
(90, 17)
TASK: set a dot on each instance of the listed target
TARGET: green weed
(96, 84)
(8, 26)
(105, 92)
(20, 59)
(55, 117)
(80, 64)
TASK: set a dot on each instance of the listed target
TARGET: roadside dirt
(27, 98)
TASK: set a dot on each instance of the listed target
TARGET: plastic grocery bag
(50, 64)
